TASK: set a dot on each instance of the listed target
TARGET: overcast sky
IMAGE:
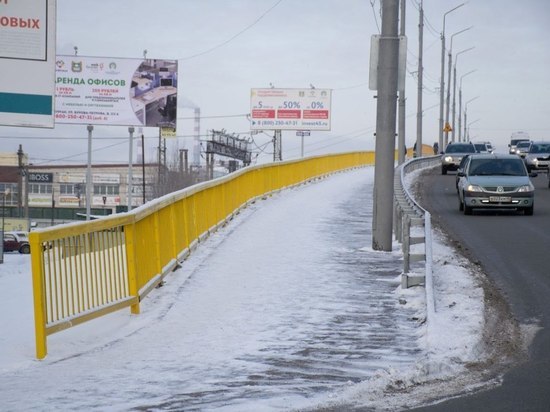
(225, 48)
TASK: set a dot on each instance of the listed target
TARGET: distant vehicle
(522, 148)
(515, 139)
(490, 147)
(454, 152)
(17, 242)
(495, 181)
(482, 147)
(538, 156)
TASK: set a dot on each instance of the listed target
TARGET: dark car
(454, 152)
(482, 147)
(17, 242)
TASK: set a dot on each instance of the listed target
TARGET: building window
(106, 189)
(10, 192)
(65, 189)
(40, 188)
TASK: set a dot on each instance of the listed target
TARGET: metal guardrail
(408, 216)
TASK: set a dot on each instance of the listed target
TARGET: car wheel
(443, 170)
(25, 249)
(549, 181)
(528, 211)
(460, 204)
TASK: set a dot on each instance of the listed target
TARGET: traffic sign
(447, 127)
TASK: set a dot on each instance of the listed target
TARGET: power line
(374, 14)
(78, 154)
(214, 117)
(235, 36)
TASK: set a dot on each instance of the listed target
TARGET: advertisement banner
(27, 62)
(290, 109)
(116, 92)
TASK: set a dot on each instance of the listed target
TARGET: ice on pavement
(287, 307)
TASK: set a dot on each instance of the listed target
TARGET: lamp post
(449, 84)
(460, 105)
(442, 79)
(4, 193)
(468, 131)
(466, 117)
(454, 91)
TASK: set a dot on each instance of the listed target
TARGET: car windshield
(497, 167)
(516, 141)
(523, 145)
(539, 148)
(460, 148)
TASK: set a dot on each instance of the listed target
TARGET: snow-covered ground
(287, 307)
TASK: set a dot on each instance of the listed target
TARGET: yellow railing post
(39, 298)
(133, 289)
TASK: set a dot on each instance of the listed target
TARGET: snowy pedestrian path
(280, 309)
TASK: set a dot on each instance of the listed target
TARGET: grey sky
(301, 42)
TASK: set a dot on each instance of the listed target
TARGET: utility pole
(385, 127)
(20, 155)
(401, 141)
(277, 146)
(460, 105)
(442, 79)
(143, 166)
(420, 81)
(454, 92)
(130, 167)
(89, 186)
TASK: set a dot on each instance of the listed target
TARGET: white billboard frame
(113, 91)
(290, 109)
(27, 63)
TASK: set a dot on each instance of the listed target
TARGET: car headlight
(448, 158)
(474, 188)
(526, 188)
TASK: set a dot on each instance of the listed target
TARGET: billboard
(27, 62)
(290, 109)
(116, 92)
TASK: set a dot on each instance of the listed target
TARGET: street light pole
(469, 125)
(449, 85)
(454, 91)
(4, 193)
(3, 214)
(442, 78)
(460, 105)
(420, 81)
(466, 117)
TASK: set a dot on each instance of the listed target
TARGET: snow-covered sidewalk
(287, 307)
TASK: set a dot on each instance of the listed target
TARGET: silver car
(538, 156)
(522, 148)
(495, 181)
(454, 152)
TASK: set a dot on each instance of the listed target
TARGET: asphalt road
(514, 251)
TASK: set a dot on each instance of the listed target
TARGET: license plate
(500, 199)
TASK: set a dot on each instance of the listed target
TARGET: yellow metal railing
(85, 270)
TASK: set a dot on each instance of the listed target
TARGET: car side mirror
(461, 174)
